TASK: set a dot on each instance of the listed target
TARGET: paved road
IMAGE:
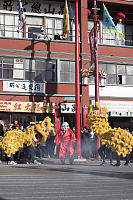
(51, 180)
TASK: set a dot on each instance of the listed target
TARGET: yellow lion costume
(118, 139)
(14, 139)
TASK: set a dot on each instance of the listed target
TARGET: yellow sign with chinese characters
(30, 107)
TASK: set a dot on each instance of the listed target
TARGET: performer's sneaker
(117, 165)
(126, 164)
(104, 163)
(36, 162)
(12, 163)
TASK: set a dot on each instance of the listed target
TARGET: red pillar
(77, 82)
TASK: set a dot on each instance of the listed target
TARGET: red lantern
(89, 12)
(120, 16)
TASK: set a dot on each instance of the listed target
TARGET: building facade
(37, 77)
(115, 58)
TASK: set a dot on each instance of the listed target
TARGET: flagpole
(97, 99)
(77, 81)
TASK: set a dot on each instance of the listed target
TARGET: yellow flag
(66, 27)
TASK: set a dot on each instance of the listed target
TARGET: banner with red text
(30, 107)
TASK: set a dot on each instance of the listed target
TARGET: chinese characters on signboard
(33, 6)
(68, 107)
(30, 107)
(23, 86)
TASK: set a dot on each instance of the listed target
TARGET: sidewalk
(56, 161)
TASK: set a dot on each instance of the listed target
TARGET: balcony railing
(32, 31)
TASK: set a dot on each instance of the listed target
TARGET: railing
(102, 39)
(32, 31)
(117, 42)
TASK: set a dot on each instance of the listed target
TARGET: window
(111, 79)
(29, 75)
(121, 69)
(33, 32)
(33, 26)
(46, 70)
(113, 38)
(67, 71)
(7, 68)
(129, 80)
(41, 70)
(9, 25)
(129, 70)
(119, 74)
(116, 74)
(111, 69)
(129, 77)
(103, 67)
(50, 71)
(55, 25)
(28, 69)
(129, 35)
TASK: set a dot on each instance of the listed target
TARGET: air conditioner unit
(18, 61)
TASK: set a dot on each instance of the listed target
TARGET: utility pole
(97, 99)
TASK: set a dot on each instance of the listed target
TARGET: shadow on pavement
(2, 198)
(68, 169)
(112, 174)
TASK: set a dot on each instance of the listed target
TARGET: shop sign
(68, 107)
(24, 86)
(30, 107)
(120, 114)
(117, 108)
(34, 6)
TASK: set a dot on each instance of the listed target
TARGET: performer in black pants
(103, 152)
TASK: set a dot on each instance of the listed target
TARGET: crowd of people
(62, 145)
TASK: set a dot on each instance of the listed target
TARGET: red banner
(91, 40)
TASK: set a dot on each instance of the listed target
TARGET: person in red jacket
(66, 139)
